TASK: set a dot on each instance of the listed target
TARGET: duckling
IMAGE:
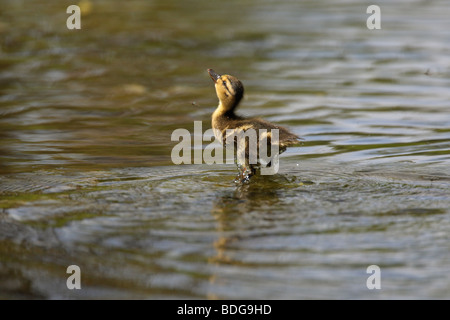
(230, 91)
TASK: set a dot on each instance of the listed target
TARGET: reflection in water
(261, 192)
(246, 199)
(16, 285)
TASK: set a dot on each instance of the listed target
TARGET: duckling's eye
(224, 83)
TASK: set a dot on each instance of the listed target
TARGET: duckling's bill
(214, 75)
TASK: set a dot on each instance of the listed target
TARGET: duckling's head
(229, 90)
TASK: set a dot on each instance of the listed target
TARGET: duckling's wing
(285, 137)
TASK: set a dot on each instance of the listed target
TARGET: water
(87, 179)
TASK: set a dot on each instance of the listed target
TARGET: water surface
(86, 118)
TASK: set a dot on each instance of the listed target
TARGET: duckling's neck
(225, 109)
(222, 115)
